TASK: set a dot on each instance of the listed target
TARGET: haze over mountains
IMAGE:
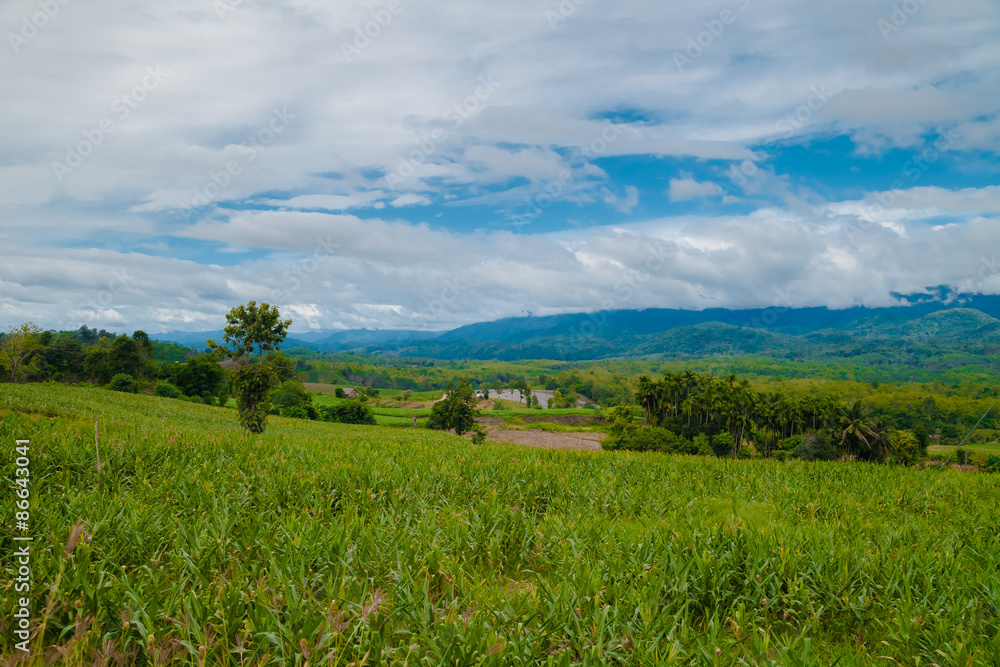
(947, 319)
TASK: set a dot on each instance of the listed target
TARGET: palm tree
(883, 439)
(856, 423)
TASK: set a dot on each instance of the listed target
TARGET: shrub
(790, 444)
(351, 412)
(905, 448)
(723, 445)
(166, 390)
(296, 412)
(478, 436)
(338, 392)
(124, 382)
(289, 395)
(817, 446)
(650, 439)
(962, 456)
(992, 464)
(621, 418)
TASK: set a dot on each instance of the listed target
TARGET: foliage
(291, 399)
(129, 357)
(17, 351)
(457, 411)
(251, 328)
(200, 376)
(621, 419)
(213, 546)
(251, 385)
(62, 358)
(282, 367)
(167, 390)
(124, 382)
(905, 448)
(351, 412)
(818, 446)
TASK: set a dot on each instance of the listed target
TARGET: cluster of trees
(603, 388)
(29, 354)
(694, 413)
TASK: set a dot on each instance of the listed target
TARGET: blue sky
(418, 165)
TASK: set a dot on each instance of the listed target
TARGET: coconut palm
(856, 425)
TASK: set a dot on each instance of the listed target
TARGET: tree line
(696, 413)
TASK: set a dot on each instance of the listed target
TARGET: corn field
(330, 544)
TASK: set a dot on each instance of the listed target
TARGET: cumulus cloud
(686, 189)
(341, 271)
(256, 164)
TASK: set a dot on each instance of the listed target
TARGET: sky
(419, 164)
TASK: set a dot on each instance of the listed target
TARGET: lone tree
(457, 411)
(259, 329)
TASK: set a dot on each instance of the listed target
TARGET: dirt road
(583, 441)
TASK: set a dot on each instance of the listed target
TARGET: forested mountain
(954, 326)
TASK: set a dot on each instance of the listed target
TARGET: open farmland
(332, 544)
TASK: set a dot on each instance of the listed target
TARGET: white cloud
(409, 199)
(183, 169)
(385, 274)
(330, 202)
(686, 189)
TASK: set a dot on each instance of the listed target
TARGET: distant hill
(953, 321)
(328, 340)
(570, 338)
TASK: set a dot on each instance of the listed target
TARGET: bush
(295, 412)
(290, 395)
(790, 444)
(992, 464)
(166, 390)
(351, 412)
(651, 439)
(782, 455)
(962, 456)
(124, 382)
(338, 392)
(478, 436)
(817, 446)
(722, 444)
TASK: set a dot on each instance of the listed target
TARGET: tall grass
(331, 544)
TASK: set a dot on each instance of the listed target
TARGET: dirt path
(584, 441)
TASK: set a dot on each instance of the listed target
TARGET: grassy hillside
(332, 544)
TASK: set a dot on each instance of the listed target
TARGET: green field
(945, 452)
(332, 544)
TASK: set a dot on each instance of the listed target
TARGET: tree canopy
(251, 328)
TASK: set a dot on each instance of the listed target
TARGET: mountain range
(952, 321)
